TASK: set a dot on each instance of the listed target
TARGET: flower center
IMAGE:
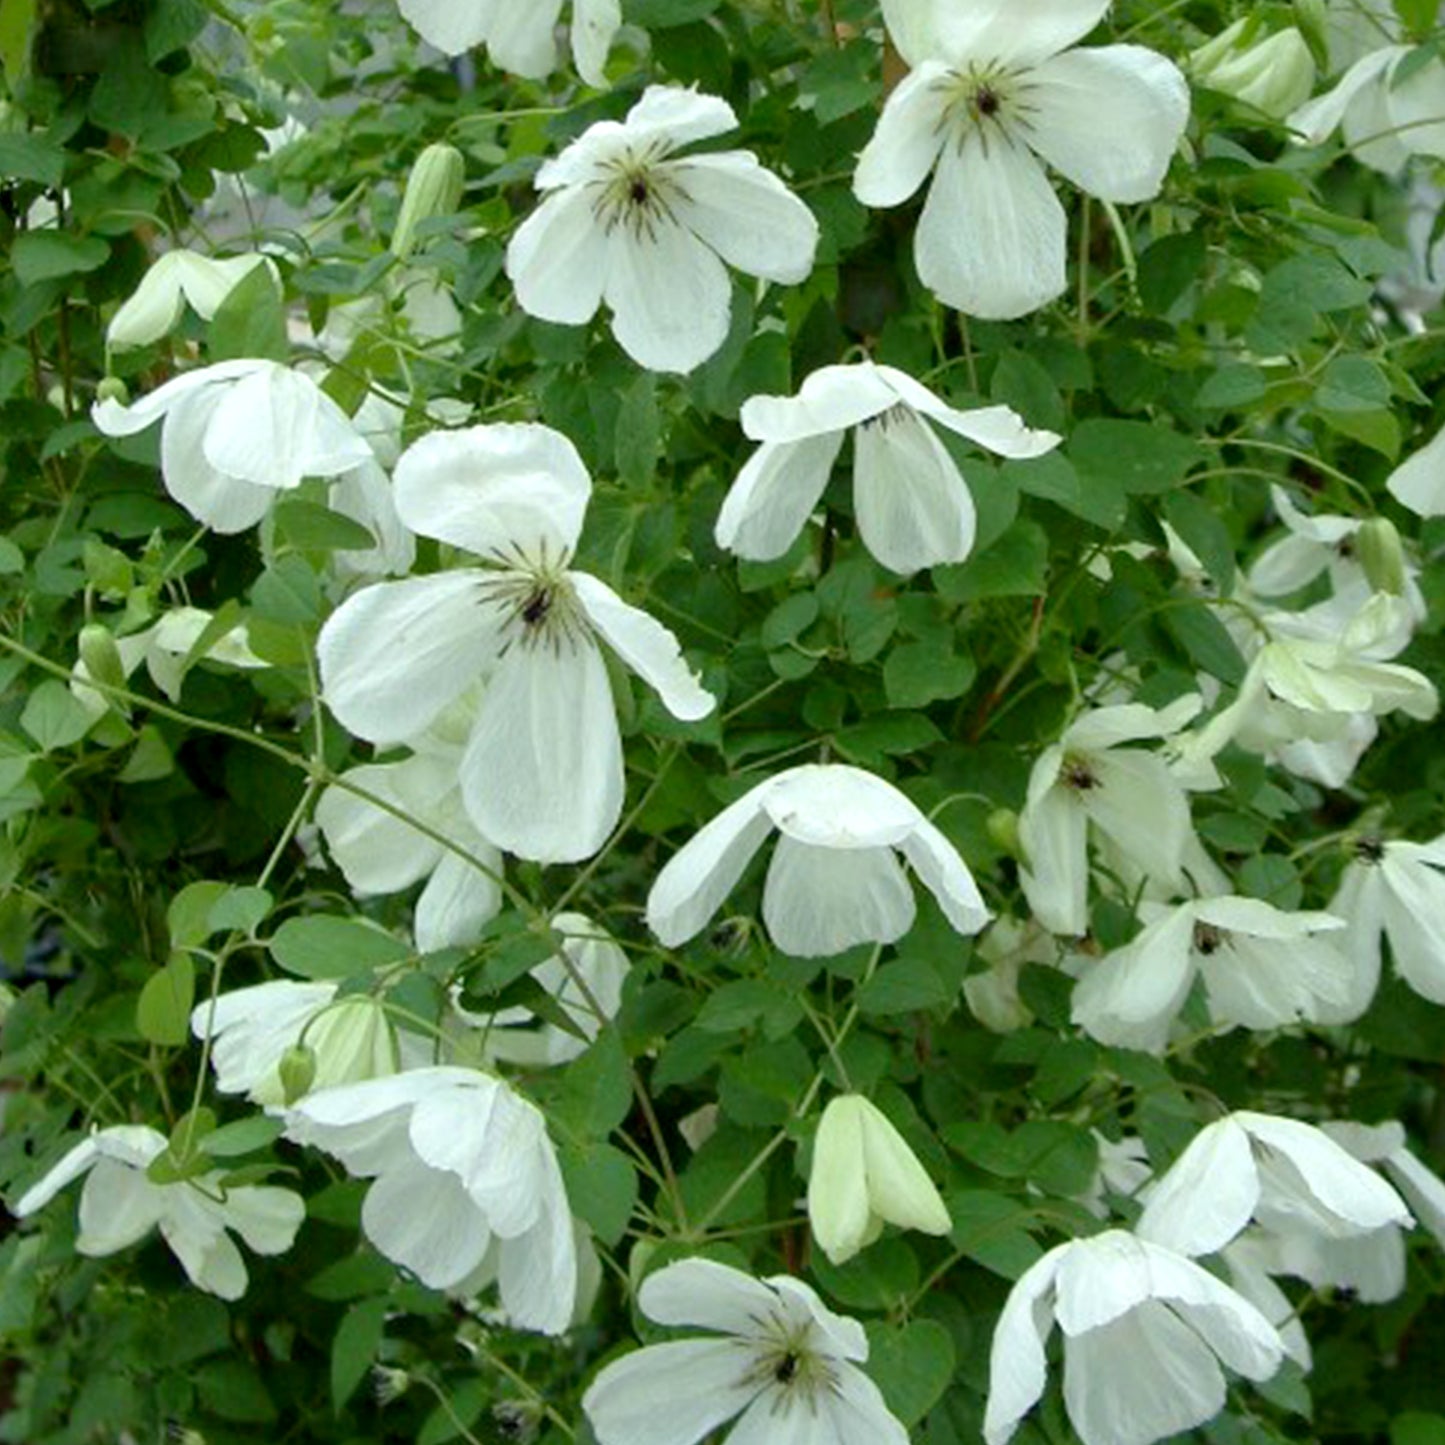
(1370, 850)
(987, 100)
(1078, 775)
(635, 190)
(786, 1357)
(540, 602)
(1208, 939)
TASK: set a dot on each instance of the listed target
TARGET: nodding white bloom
(626, 223)
(237, 433)
(1386, 1146)
(519, 38)
(1262, 969)
(995, 90)
(1252, 1261)
(1419, 481)
(541, 772)
(1124, 1169)
(585, 981)
(1393, 890)
(1145, 1334)
(913, 505)
(119, 1206)
(177, 280)
(835, 879)
(778, 1356)
(251, 1030)
(478, 1155)
(1283, 1174)
(864, 1176)
(381, 852)
(1130, 796)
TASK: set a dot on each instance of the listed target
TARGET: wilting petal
(557, 258)
(821, 901)
(775, 494)
(908, 140)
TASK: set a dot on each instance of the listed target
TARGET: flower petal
(1208, 1194)
(910, 136)
(520, 38)
(557, 258)
(441, 1244)
(1054, 833)
(1017, 1366)
(1316, 119)
(376, 850)
(452, 28)
(943, 872)
(709, 1295)
(671, 1394)
(224, 503)
(115, 420)
(839, 1211)
(834, 805)
(266, 1217)
(774, 495)
(594, 24)
(458, 900)
(1130, 997)
(118, 1207)
(679, 115)
(819, 901)
(831, 400)
(1413, 906)
(995, 30)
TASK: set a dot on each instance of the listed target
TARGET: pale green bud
(1003, 832)
(391, 1384)
(433, 189)
(1275, 76)
(112, 388)
(297, 1069)
(101, 656)
(1382, 555)
(864, 1175)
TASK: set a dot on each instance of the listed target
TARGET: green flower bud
(112, 388)
(102, 659)
(1382, 555)
(1003, 831)
(433, 189)
(1275, 76)
(298, 1071)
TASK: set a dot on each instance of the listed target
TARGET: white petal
(453, 27)
(696, 879)
(557, 259)
(376, 850)
(153, 308)
(839, 1210)
(1413, 907)
(833, 805)
(496, 490)
(538, 1272)
(995, 30)
(1143, 811)
(914, 507)
(266, 1217)
(670, 297)
(1287, 565)
(831, 399)
(224, 503)
(1054, 834)
(709, 1295)
(542, 775)
(1107, 727)
(898, 1185)
(1109, 118)
(199, 1240)
(1316, 119)
(1419, 481)
(999, 429)
(775, 494)
(1018, 1367)
(991, 238)
(1208, 1194)
(672, 1394)
(910, 136)
(365, 495)
(440, 1244)
(856, 1413)
(1423, 1190)
(118, 1207)
(395, 654)
(1130, 997)
(679, 115)
(1260, 984)
(594, 24)
(747, 215)
(819, 901)
(944, 873)
(646, 646)
(82, 1157)
(1413, 106)
(458, 900)
(520, 38)
(115, 420)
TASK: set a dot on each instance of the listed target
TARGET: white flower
(477, 1156)
(1386, 1145)
(1393, 890)
(995, 89)
(1129, 795)
(252, 1028)
(380, 852)
(1419, 481)
(1145, 1333)
(834, 880)
(913, 505)
(624, 223)
(119, 1206)
(864, 1175)
(519, 37)
(176, 280)
(1283, 1174)
(1262, 968)
(780, 1357)
(586, 984)
(1124, 1169)
(1252, 1260)
(541, 774)
(235, 434)
(1274, 74)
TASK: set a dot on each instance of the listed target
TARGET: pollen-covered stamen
(789, 1359)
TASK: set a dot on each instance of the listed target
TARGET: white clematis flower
(479, 1156)
(1130, 796)
(1145, 1334)
(119, 1206)
(779, 1357)
(1283, 1174)
(626, 223)
(913, 505)
(995, 90)
(864, 1176)
(519, 38)
(1262, 969)
(835, 879)
(541, 772)
(237, 433)
(176, 280)
(1252, 1261)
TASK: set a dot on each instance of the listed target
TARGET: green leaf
(1351, 384)
(789, 620)
(244, 1136)
(241, 909)
(163, 1012)
(1378, 430)
(1141, 457)
(1201, 530)
(992, 1230)
(53, 716)
(911, 1365)
(659, 14)
(322, 946)
(1025, 384)
(233, 1390)
(354, 1346)
(189, 916)
(602, 1186)
(251, 321)
(1052, 478)
(896, 735)
(312, 528)
(171, 25)
(596, 1093)
(1206, 640)
(918, 673)
(639, 433)
(18, 23)
(1015, 566)
(906, 985)
(30, 156)
(1235, 384)
(1416, 1428)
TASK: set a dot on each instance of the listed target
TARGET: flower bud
(391, 1383)
(1003, 831)
(864, 1175)
(297, 1069)
(433, 189)
(101, 656)
(1382, 555)
(1275, 76)
(112, 388)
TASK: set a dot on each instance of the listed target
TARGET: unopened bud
(1275, 76)
(1382, 555)
(101, 656)
(112, 388)
(1003, 831)
(433, 189)
(298, 1071)
(390, 1383)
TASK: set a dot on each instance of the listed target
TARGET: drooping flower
(864, 1176)
(626, 223)
(478, 1154)
(995, 90)
(1252, 1260)
(913, 505)
(1281, 1173)
(1089, 777)
(176, 280)
(1145, 1334)
(120, 1205)
(541, 772)
(237, 433)
(1262, 968)
(834, 880)
(519, 38)
(778, 1357)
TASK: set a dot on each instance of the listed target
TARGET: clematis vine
(625, 222)
(541, 770)
(995, 90)
(835, 879)
(913, 505)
